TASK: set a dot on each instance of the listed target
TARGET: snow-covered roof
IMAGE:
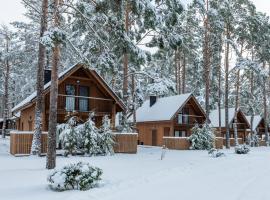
(163, 110)
(1, 119)
(31, 97)
(34, 94)
(215, 119)
(256, 121)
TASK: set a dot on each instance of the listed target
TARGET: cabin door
(83, 100)
(154, 137)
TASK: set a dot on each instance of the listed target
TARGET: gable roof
(256, 121)
(164, 109)
(31, 98)
(214, 117)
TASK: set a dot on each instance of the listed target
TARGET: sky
(12, 10)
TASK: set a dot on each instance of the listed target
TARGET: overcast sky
(12, 10)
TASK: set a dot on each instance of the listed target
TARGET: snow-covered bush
(68, 135)
(202, 138)
(242, 149)
(253, 140)
(86, 138)
(215, 153)
(106, 138)
(79, 176)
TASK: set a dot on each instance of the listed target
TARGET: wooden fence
(126, 143)
(182, 143)
(240, 141)
(20, 142)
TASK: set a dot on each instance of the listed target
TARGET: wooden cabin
(81, 90)
(258, 125)
(173, 116)
(242, 123)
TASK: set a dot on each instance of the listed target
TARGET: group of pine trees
(217, 49)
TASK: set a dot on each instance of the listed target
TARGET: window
(183, 116)
(180, 133)
(166, 131)
(83, 102)
(70, 100)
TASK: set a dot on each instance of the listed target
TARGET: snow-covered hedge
(79, 176)
(87, 138)
(242, 149)
(215, 153)
(202, 138)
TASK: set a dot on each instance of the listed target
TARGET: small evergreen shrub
(68, 136)
(202, 138)
(215, 153)
(86, 138)
(79, 176)
(242, 149)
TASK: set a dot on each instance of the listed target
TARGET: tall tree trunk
(51, 155)
(252, 111)
(134, 98)
(227, 50)
(6, 87)
(219, 98)
(36, 143)
(237, 87)
(265, 114)
(206, 63)
(176, 70)
(236, 109)
(184, 74)
(125, 16)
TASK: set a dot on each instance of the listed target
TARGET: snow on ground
(188, 175)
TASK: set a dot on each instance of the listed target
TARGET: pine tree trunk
(252, 113)
(265, 114)
(206, 63)
(219, 99)
(227, 88)
(36, 143)
(176, 71)
(51, 154)
(6, 93)
(125, 17)
(236, 109)
(184, 74)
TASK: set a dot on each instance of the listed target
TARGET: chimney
(153, 100)
(47, 76)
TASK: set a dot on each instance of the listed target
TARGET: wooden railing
(70, 103)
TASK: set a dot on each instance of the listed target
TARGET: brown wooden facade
(152, 132)
(81, 91)
(242, 127)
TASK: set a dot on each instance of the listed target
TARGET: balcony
(82, 104)
(188, 120)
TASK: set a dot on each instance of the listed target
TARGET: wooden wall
(145, 132)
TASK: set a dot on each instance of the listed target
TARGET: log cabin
(80, 91)
(242, 123)
(258, 125)
(173, 116)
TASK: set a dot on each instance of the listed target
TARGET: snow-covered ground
(188, 175)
